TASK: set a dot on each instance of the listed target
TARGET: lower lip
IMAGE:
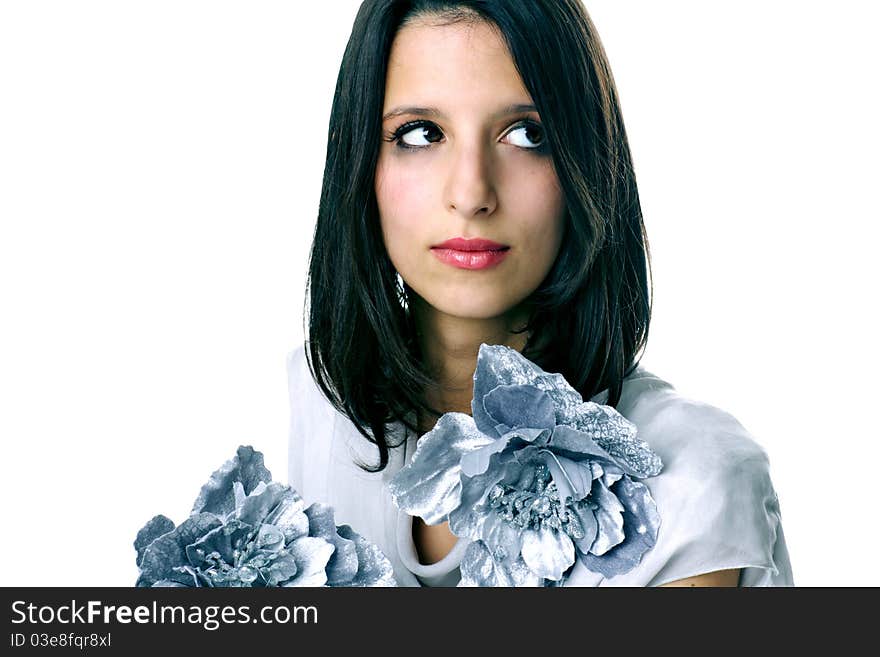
(470, 259)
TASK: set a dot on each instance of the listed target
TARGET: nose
(470, 189)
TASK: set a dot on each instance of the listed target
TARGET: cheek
(539, 201)
(402, 198)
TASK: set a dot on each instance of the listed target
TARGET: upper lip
(476, 244)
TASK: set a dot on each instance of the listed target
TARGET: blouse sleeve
(717, 504)
(728, 519)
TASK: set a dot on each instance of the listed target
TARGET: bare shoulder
(719, 578)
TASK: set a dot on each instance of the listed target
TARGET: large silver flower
(537, 478)
(245, 530)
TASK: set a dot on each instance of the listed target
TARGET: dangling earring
(401, 292)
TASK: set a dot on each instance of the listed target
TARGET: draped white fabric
(715, 497)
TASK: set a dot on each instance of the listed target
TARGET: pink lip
(476, 244)
(470, 254)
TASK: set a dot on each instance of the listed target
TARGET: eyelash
(409, 126)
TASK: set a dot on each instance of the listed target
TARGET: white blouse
(717, 505)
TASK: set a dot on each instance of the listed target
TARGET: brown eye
(528, 135)
(417, 134)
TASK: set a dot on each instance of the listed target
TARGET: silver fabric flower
(536, 477)
(245, 530)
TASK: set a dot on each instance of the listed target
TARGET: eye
(532, 132)
(418, 135)
(412, 135)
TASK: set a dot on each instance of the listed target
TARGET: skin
(475, 175)
(719, 578)
(472, 172)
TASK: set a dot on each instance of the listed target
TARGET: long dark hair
(589, 317)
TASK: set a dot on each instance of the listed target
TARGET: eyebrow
(516, 108)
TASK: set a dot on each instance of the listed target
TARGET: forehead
(461, 63)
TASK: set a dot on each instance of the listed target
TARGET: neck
(450, 346)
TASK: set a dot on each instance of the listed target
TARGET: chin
(473, 306)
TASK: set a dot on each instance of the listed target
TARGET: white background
(160, 168)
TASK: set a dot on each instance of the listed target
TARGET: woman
(479, 188)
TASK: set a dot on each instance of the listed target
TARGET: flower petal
(589, 524)
(430, 486)
(617, 436)
(374, 568)
(521, 575)
(609, 515)
(168, 551)
(520, 406)
(288, 516)
(261, 501)
(343, 565)
(156, 526)
(501, 365)
(238, 493)
(528, 455)
(479, 568)
(468, 518)
(270, 539)
(573, 480)
(548, 553)
(611, 478)
(579, 446)
(282, 569)
(217, 495)
(476, 462)
(190, 575)
(311, 555)
(503, 540)
(641, 523)
(221, 540)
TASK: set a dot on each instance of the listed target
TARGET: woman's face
(472, 167)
